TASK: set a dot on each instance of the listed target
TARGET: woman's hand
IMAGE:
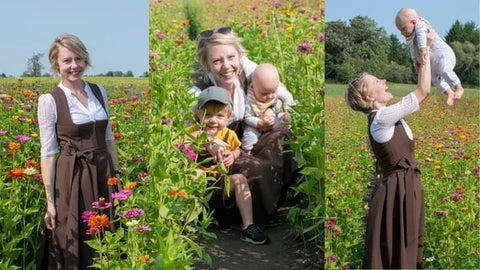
(50, 217)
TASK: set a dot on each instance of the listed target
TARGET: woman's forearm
(47, 165)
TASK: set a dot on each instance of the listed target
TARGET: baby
(266, 98)
(442, 57)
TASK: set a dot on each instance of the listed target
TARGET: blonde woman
(395, 221)
(78, 155)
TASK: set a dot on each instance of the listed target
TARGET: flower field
(22, 197)
(447, 152)
(288, 34)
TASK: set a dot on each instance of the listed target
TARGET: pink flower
(122, 195)
(92, 231)
(22, 138)
(142, 228)
(87, 214)
(305, 48)
(441, 213)
(320, 37)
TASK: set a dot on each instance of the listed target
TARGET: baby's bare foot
(458, 92)
(450, 97)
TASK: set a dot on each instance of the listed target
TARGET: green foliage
(360, 46)
(468, 65)
(463, 33)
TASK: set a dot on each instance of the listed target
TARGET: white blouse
(47, 116)
(383, 124)
(239, 98)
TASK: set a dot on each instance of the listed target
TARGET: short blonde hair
(213, 107)
(203, 44)
(70, 42)
(356, 94)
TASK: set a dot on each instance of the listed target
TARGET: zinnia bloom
(132, 213)
(112, 181)
(87, 214)
(101, 204)
(98, 221)
(122, 195)
(16, 173)
(145, 258)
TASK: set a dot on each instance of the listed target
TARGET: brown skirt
(269, 173)
(395, 222)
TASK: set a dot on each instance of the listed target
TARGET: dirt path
(230, 253)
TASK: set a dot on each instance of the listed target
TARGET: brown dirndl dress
(270, 170)
(82, 169)
(395, 222)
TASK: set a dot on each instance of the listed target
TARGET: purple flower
(126, 116)
(142, 228)
(190, 153)
(160, 36)
(331, 259)
(320, 37)
(305, 48)
(87, 214)
(101, 204)
(455, 196)
(3, 132)
(22, 138)
(132, 213)
(27, 107)
(166, 121)
(441, 213)
(136, 159)
(122, 195)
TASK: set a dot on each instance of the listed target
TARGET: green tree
(463, 32)
(34, 67)
(399, 52)
(467, 66)
(360, 46)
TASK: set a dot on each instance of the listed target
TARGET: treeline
(362, 45)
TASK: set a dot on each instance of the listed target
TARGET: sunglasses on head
(222, 30)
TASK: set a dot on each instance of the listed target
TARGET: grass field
(447, 149)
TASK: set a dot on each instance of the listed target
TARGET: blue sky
(115, 33)
(440, 13)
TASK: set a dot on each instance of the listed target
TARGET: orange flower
(97, 221)
(145, 258)
(179, 41)
(172, 192)
(112, 181)
(132, 142)
(116, 136)
(15, 173)
(27, 93)
(14, 146)
(130, 185)
(31, 163)
(146, 90)
(182, 194)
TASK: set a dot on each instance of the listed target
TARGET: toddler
(264, 104)
(442, 57)
(213, 111)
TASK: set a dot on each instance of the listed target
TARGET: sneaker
(253, 234)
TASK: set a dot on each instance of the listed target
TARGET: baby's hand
(286, 116)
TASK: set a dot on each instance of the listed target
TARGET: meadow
(289, 34)
(163, 214)
(22, 197)
(447, 152)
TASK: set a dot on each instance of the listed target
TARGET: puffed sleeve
(47, 118)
